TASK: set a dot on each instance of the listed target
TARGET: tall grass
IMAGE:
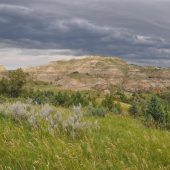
(120, 143)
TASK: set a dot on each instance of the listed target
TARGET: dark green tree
(79, 98)
(133, 110)
(4, 86)
(108, 102)
(13, 84)
(17, 79)
(156, 110)
(117, 108)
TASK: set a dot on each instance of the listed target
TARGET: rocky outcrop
(3, 71)
(2, 68)
(101, 73)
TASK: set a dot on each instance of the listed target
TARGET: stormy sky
(33, 32)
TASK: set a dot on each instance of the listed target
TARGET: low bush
(97, 111)
(134, 109)
(117, 109)
(108, 102)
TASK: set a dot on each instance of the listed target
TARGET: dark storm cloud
(138, 31)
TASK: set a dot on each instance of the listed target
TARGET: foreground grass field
(121, 142)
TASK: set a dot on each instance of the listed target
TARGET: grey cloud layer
(137, 31)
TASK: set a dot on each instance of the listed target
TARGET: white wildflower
(77, 109)
(96, 125)
(29, 101)
(17, 110)
(46, 111)
(58, 117)
(32, 121)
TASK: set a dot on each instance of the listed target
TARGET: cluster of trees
(64, 99)
(13, 84)
(154, 110)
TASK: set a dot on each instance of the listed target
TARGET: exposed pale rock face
(2, 68)
(101, 73)
(2, 71)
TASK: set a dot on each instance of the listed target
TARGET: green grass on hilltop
(120, 143)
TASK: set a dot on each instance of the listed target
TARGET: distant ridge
(101, 73)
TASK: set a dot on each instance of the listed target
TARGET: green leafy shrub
(39, 97)
(78, 98)
(97, 111)
(62, 99)
(3, 99)
(121, 96)
(108, 102)
(156, 112)
(13, 84)
(134, 109)
(4, 86)
(110, 105)
(117, 109)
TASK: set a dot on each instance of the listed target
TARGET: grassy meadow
(120, 142)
